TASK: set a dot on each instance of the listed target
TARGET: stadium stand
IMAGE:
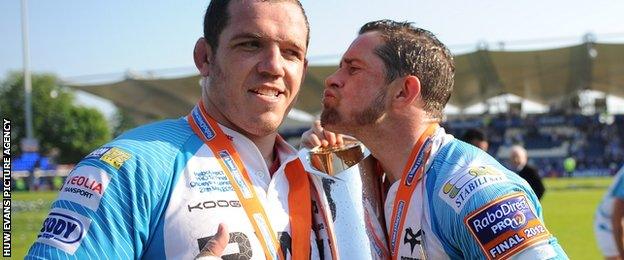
(31, 160)
(549, 139)
(33, 171)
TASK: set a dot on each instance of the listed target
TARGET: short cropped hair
(409, 50)
(472, 135)
(217, 17)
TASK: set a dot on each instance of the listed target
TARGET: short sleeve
(102, 210)
(499, 217)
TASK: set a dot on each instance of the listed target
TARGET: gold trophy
(333, 160)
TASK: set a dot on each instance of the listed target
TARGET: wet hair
(409, 50)
(217, 17)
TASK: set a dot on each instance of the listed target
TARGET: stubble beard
(331, 118)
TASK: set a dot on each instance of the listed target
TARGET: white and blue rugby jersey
(158, 192)
(471, 207)
(602, 218)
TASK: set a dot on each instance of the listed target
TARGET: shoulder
(474, 184)
(618, 184)
(461, 174)
(483, 201)
(146, 155)
(116, 190)
(157, 141)
(167, 134)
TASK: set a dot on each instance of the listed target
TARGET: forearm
(616, 220)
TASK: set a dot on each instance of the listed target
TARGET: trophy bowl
(333, 160)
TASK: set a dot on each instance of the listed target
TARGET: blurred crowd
(558, 145)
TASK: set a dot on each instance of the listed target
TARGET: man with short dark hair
(477, 138)
(218, 182)
(447, 200)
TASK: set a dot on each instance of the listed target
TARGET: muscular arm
(616, 220)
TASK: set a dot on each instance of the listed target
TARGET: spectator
(569, 166)
(477, 138)
(519, 159)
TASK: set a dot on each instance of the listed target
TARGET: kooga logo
(62, 227)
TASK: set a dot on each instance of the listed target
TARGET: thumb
(217, 244)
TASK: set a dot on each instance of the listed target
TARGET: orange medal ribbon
(412, 173)
(299, 200)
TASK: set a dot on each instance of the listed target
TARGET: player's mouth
(329, 97)
(267, 92)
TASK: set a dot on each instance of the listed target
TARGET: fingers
(339, 140)
(318, 136)
(221, 239)
(330, 138)
(217, 244)
(309, 139)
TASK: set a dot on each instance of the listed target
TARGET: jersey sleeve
(104, 209)
(618, 190)
(493, 214)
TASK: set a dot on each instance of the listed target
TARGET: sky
(94, 41)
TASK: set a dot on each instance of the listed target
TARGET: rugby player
(608, 220)
(220, 176)
(447, 199)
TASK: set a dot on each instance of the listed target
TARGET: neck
(266, 147)
(392, 142)
(264, 143)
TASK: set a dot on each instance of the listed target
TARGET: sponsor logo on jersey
(85, 185)
(211, 204)
(115, 157)
(505, 226)
(460, 187)
(412, 238)
(97, 153)
(417, 163)
(64, 230)
(236, 174)
(204, 127)
(209, 181)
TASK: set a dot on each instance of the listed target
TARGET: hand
(317, 136)
(215, 247)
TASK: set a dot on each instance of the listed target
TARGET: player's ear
(407, 91)
(202, 55)
(305, 70)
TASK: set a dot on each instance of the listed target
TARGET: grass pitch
(568, 204)
(28, 211)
